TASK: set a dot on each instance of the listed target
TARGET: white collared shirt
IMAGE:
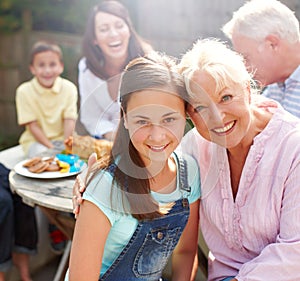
(98, 112)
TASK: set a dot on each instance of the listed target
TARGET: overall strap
(111, 169)
(183, 173)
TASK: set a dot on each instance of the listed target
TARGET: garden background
(171, 26)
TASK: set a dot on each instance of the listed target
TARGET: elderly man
(266, 33)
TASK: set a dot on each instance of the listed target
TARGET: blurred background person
(110, 42)
(46, 104)
(266, 33)
(47, 108)
(18, 230)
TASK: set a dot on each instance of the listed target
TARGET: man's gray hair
(257, 19)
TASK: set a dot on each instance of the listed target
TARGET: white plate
(19, 169)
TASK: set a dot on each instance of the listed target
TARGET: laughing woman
(109, 43)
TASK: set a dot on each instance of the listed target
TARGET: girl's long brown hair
(152, 72)
(93, 54)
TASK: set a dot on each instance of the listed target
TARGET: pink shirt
(257, 236)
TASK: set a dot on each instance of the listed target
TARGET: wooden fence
(170, 26)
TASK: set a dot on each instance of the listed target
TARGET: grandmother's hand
(79, 186)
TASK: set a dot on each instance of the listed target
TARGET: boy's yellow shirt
(49, 107)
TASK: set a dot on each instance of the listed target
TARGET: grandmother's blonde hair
(215, 58)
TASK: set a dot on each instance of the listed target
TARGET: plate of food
(50, 167)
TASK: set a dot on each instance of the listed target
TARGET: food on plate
(47, 164)
(50, 160)
(53, 167)
(64, 167)
(84, 146)
(31, 162)
(39, 167)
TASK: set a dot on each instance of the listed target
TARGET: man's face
(259, 57)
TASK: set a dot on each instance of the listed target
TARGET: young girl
(141, 204)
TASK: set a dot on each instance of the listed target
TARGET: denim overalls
(152, 243)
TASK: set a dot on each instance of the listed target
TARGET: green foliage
(188, 125)
(8, 141)
(52, 15)
(8, 23)
(8, 17)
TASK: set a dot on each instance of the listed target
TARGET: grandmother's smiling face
(220, 115)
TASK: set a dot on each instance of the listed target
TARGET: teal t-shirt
(123, 225)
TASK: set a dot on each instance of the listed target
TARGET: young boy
(47, 104)
(47, 107)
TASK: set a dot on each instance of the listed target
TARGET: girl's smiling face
(221, 116)
(155, 120)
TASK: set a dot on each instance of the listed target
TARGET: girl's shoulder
(106, 195)
(100, 184)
